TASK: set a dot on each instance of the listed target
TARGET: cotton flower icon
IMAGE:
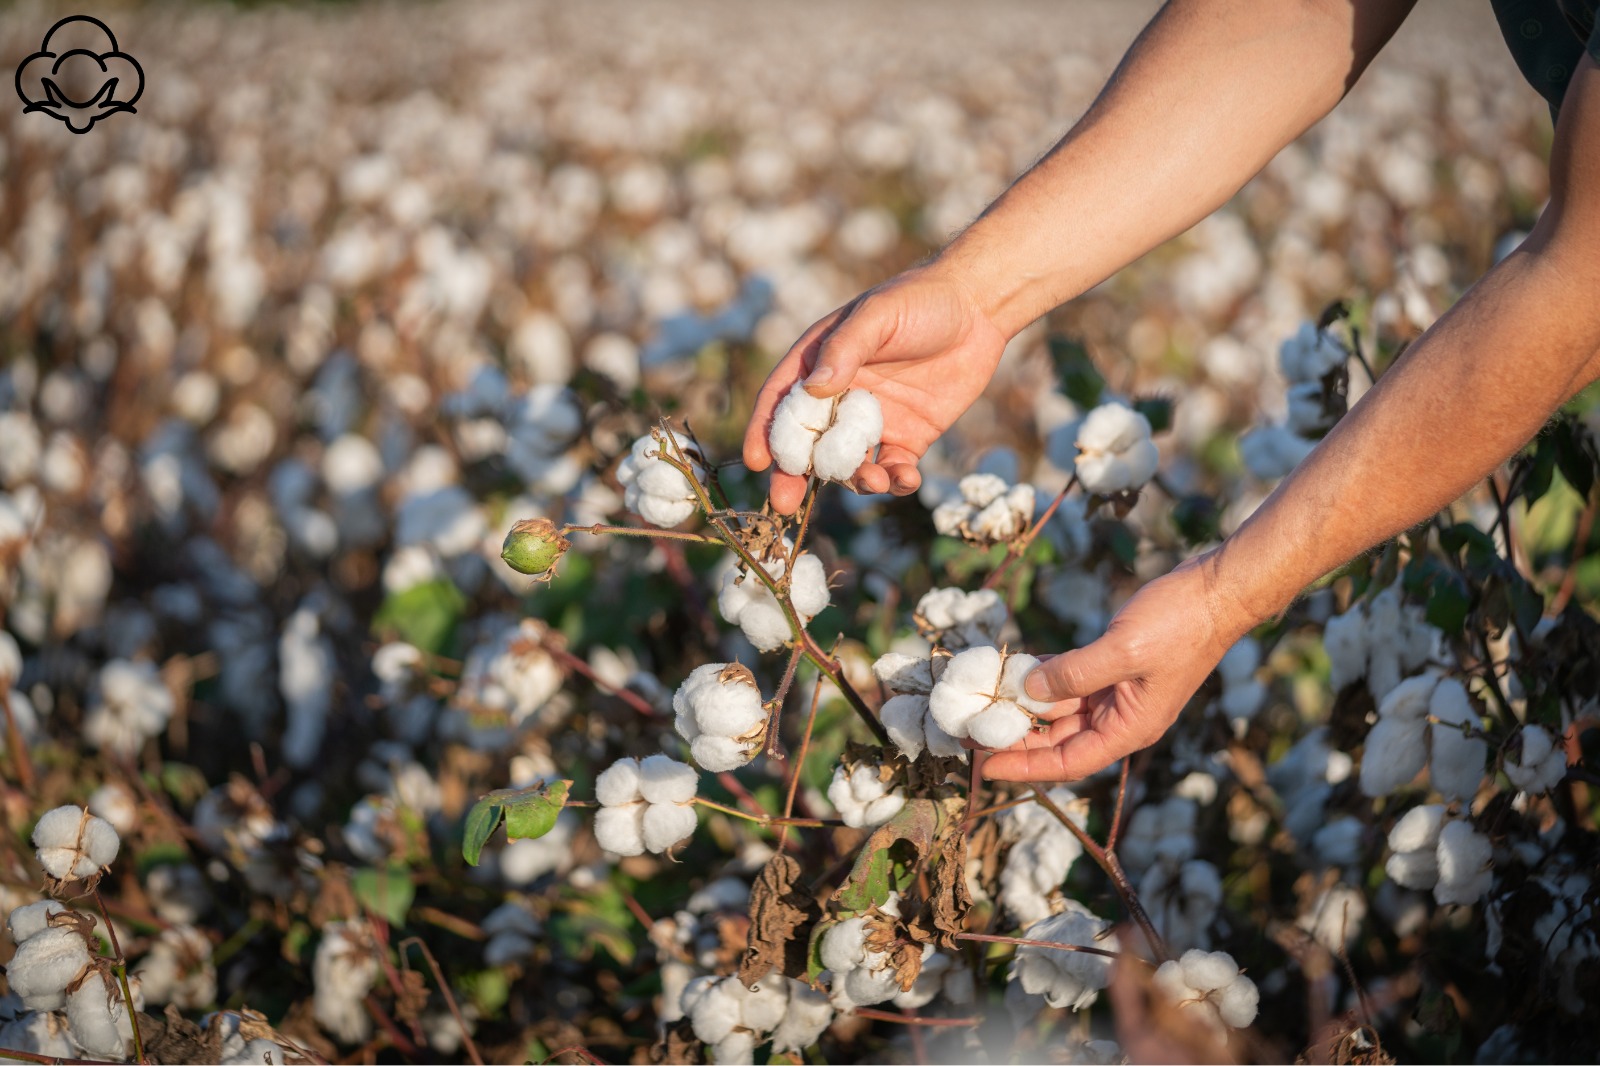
(79, 85)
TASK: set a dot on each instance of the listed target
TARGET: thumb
(1081, 672)
(852, 342)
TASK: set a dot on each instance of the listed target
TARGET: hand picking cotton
(829, 438)
(980, 695)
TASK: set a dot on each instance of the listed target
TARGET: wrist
(1238, 599)
(997, 288)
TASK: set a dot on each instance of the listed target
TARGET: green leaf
(387, 892)
(424, 615)
(1574, 456)
(482, 820)
(1198, 519)
(1540, 466)
(533, 812)
(1448, 602)
(890, 869)
(1526, 604)
(1157, 410)
(1080, 380)
(814, 964)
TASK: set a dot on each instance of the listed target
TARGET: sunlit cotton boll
(73, 844)
(1539, 764)
(1433, 851)
(980, 695)
(959, 619)
(745, 600)
(862, 798)
(1212, 978)
(1071, 979)
(645, 805)
(1309, 354)
(98, 1019)
(131, 704)
(720, 713)
(1041, 856)
(1455, 758)
(653, 488)
(343, 972)
(830, 437)
(986, 510)
(45, 964)
(1396, 750)
(1115, 452)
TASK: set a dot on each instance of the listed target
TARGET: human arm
(1470, 392)
(1208, 93)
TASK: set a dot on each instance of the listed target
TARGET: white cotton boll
(1464, 856)
(1207, 971)
(1456, 760)
(1272, 451)
(32, 919)
(796, 423)
(40, 1033)
(807, 1018)
(761, 1008)
(957, 619)
(1338, 843)
(980, 695)
(719, 754)
(1334, 920)
(343, 972)
(1419, 829)
(999, 727)
(256, 1053)
(908, 674)
(1071, 979)
(1409, 699)
(1540, 765)
(735, 1049)
(620, 830)
(653, 488)
(178, 969)
(861, 797)
(99, 1020)
(1239, 1002)
(1115, 452)
(73, 844)
(131, 704)
(1309, 354)
(808, 586)
(116, 805)
(745, 601)
(843, 945)
(662, 779)
(665, 824)
(45, 964)
(858, 426)
(1394, 754)
(1344, 638)
(712, 1010)
(902, 718)
(618, 783)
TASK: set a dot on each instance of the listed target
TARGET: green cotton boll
(533, 547)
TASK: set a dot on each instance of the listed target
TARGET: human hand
(920, 343)
(1123, 691)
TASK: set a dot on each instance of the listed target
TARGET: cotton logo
(78, 75)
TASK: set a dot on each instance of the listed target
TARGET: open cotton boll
(73, 844)
(45, 964)
(986, 509)
(957, 619)
(618, 783)
(861, 797)
(32, 919)
(745, 600)
(1071, 979)
(911, 726)
(1115, 452)
(664, 780)
(907, 674)
(1394, 754)
(131, 704)
(827, 437)
(1272, 451)
(1211, 978)
(1334, 919)
(1455, 762)
(98, 1019)
(719, 712)
(1344, 638)
(653, 488)
(1041, 855)
(1159, 832)
(860, 977)
(1414, 840)
(178, 969)
(807, 1018)
(1183, 900)
(980, 695)
(620, 830)
(39, 1033)
(1540, 764)
(665, 824)
(1308, 354)
(645, 805)
(1464, 870)
(343, 972)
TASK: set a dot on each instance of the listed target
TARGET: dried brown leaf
(781, 917)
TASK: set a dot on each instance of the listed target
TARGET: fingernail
(1036, 686)
(819, 377)
(901, 486)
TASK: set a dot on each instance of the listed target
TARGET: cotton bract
(1540, 764)
(957, 619)
(745, 600)
(719, 712)
(980, 695)
(653, 488)
(829, 438)
(905, 715)
(1210, 982)
(73, 844)
(986, 510)
(862, 798)
(1115, 452)
(1071, 979)
(645, 805)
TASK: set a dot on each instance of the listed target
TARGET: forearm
(1207, 95)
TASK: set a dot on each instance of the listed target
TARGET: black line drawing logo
(111, 78)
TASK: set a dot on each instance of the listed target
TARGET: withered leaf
(950, 898)
(781, 918)
(678, 1044)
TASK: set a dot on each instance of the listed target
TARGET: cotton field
(398, 663)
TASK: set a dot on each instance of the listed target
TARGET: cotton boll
(1464, 856)
(1456, 760)
(1419, 829)
(1394, 754)
(906, 674)
(39, 1033)
(1115, 452)
(656, 490)
(131, 704)
(620, 830)
(665, 824)
(32, 919)
(1211, 978)
(259, 1051)
(986, 510)
(663, 779)
(45, 964)
(861, 797)
(1310, 354)
(117, 805)
(1334, 920)
(1345, 640)
(735, 1049)
(1041, 856)
(343, 972)
(807, 1018)
(1071, 979)
(857, 428)
(980, 695)
(796, 423)
(1159, 832)
(957, 619)
(1338, 842)
(98, 1019)
(73, 844)
(719, 711)
(1539, 765)
(178, 969)
(711, 1008)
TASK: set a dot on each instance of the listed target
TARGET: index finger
(790, 369)
(1071, 750)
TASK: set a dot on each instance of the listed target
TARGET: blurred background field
(285, 353)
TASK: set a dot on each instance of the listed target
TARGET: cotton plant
(1070, 979)
(733, 1020)
(745, 600)
(906, 714)
(1115, 452)
(956, 619)
(719, 711)
(1209, 987)
(657, 490)
(1427, 720)
(980, 695)
(829, 438)
(862, 797)
(986, 510)
(1432, 850)
(1041, 855)
(645, 805)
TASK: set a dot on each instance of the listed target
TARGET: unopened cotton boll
(653, 488)
(862, 798)
(745, 600)
(73, 844)
(1115, 452)
(826, 437)
(720, 713)
(1211, 978)
(1540, 764)
(986, 510)
(1070, 979)
(980, 695)
(957, 619)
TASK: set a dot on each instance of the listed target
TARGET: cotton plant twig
(600, 529)
(1055, 945)
(767, 819)
(449, 996)
(799, 764)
